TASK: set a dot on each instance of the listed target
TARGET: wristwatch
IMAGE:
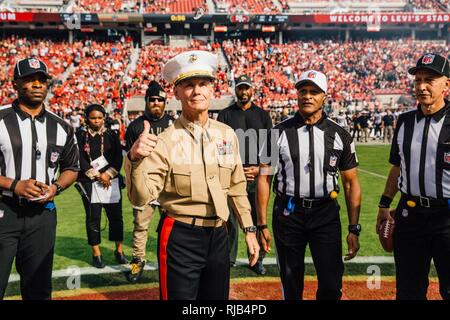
(354, 228)
(58, 188)
(251, 229)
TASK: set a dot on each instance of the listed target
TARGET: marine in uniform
(306, 153)
(420, 158)
(192, 168)
(155, 102)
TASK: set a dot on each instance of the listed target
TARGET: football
(386, 232)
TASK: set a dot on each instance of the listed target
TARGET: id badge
(99, 163)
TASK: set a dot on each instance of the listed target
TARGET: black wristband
(262, 227)
(12, 188)
(385, 202)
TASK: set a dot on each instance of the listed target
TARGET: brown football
(385, 234)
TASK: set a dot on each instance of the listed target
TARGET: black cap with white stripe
(29, 66)
(433, 62)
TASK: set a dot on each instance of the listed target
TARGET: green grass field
(72, 247)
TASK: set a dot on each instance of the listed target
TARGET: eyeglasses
(155, 100)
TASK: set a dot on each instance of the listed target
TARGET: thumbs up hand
(144, 145)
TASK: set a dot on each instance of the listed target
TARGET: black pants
(94, 215)
(193, 261)
(233, 224)
(320, 228)
(420, 235)
(27, 234)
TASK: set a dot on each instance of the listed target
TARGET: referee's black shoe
(137, 267)
(259, 268)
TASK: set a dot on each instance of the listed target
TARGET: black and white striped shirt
(421, 148)
(307, 158)
(35, 149)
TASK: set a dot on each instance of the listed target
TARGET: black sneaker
(120, 257)
(259, 268)
(97, 262)
(137, 267)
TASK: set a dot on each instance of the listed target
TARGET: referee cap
(433, 62)
(190, 64)
(315, 77)
(29, 66)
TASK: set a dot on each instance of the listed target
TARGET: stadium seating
(149, 6)
(152, 58)
(354, 69)
(364, 5)
(251, 6)
(99, 70)
(57, 55)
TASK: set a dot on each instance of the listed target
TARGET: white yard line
(72, 271)
(372, 173)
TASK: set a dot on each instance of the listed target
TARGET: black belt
(306, 203)
(426, 202)
(20, 202)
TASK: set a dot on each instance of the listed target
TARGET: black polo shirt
(252, 127)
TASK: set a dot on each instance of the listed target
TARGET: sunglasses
(155, 100)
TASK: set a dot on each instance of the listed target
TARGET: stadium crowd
(355, 68)
(151, 59)
(101, 72)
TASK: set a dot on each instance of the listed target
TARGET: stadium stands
(152, 58)
(341, 6)
(57, 55)
(100, 71)
(97, 76)
(354, 68)
(149, 6)
(251, 6)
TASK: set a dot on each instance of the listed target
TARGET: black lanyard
(87, 147)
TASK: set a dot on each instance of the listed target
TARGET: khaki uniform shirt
(192, 171)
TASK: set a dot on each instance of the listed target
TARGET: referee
(420, 155)
(309, 149)
(34, 144)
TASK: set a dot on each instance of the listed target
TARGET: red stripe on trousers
(164, 239)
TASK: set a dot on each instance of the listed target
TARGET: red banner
(16, 16)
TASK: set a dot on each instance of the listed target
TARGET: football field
(72, 250)
(72, 247)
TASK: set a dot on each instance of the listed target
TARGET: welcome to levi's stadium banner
(374, 18)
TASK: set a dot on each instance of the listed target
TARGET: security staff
(420, 158)
(155, 102)
(100, 161)
(308, 151)
(251, 124)
(192, 167)
(34, 145)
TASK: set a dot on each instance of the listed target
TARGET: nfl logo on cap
(428, 59)
(312, 75)
(34, 63)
